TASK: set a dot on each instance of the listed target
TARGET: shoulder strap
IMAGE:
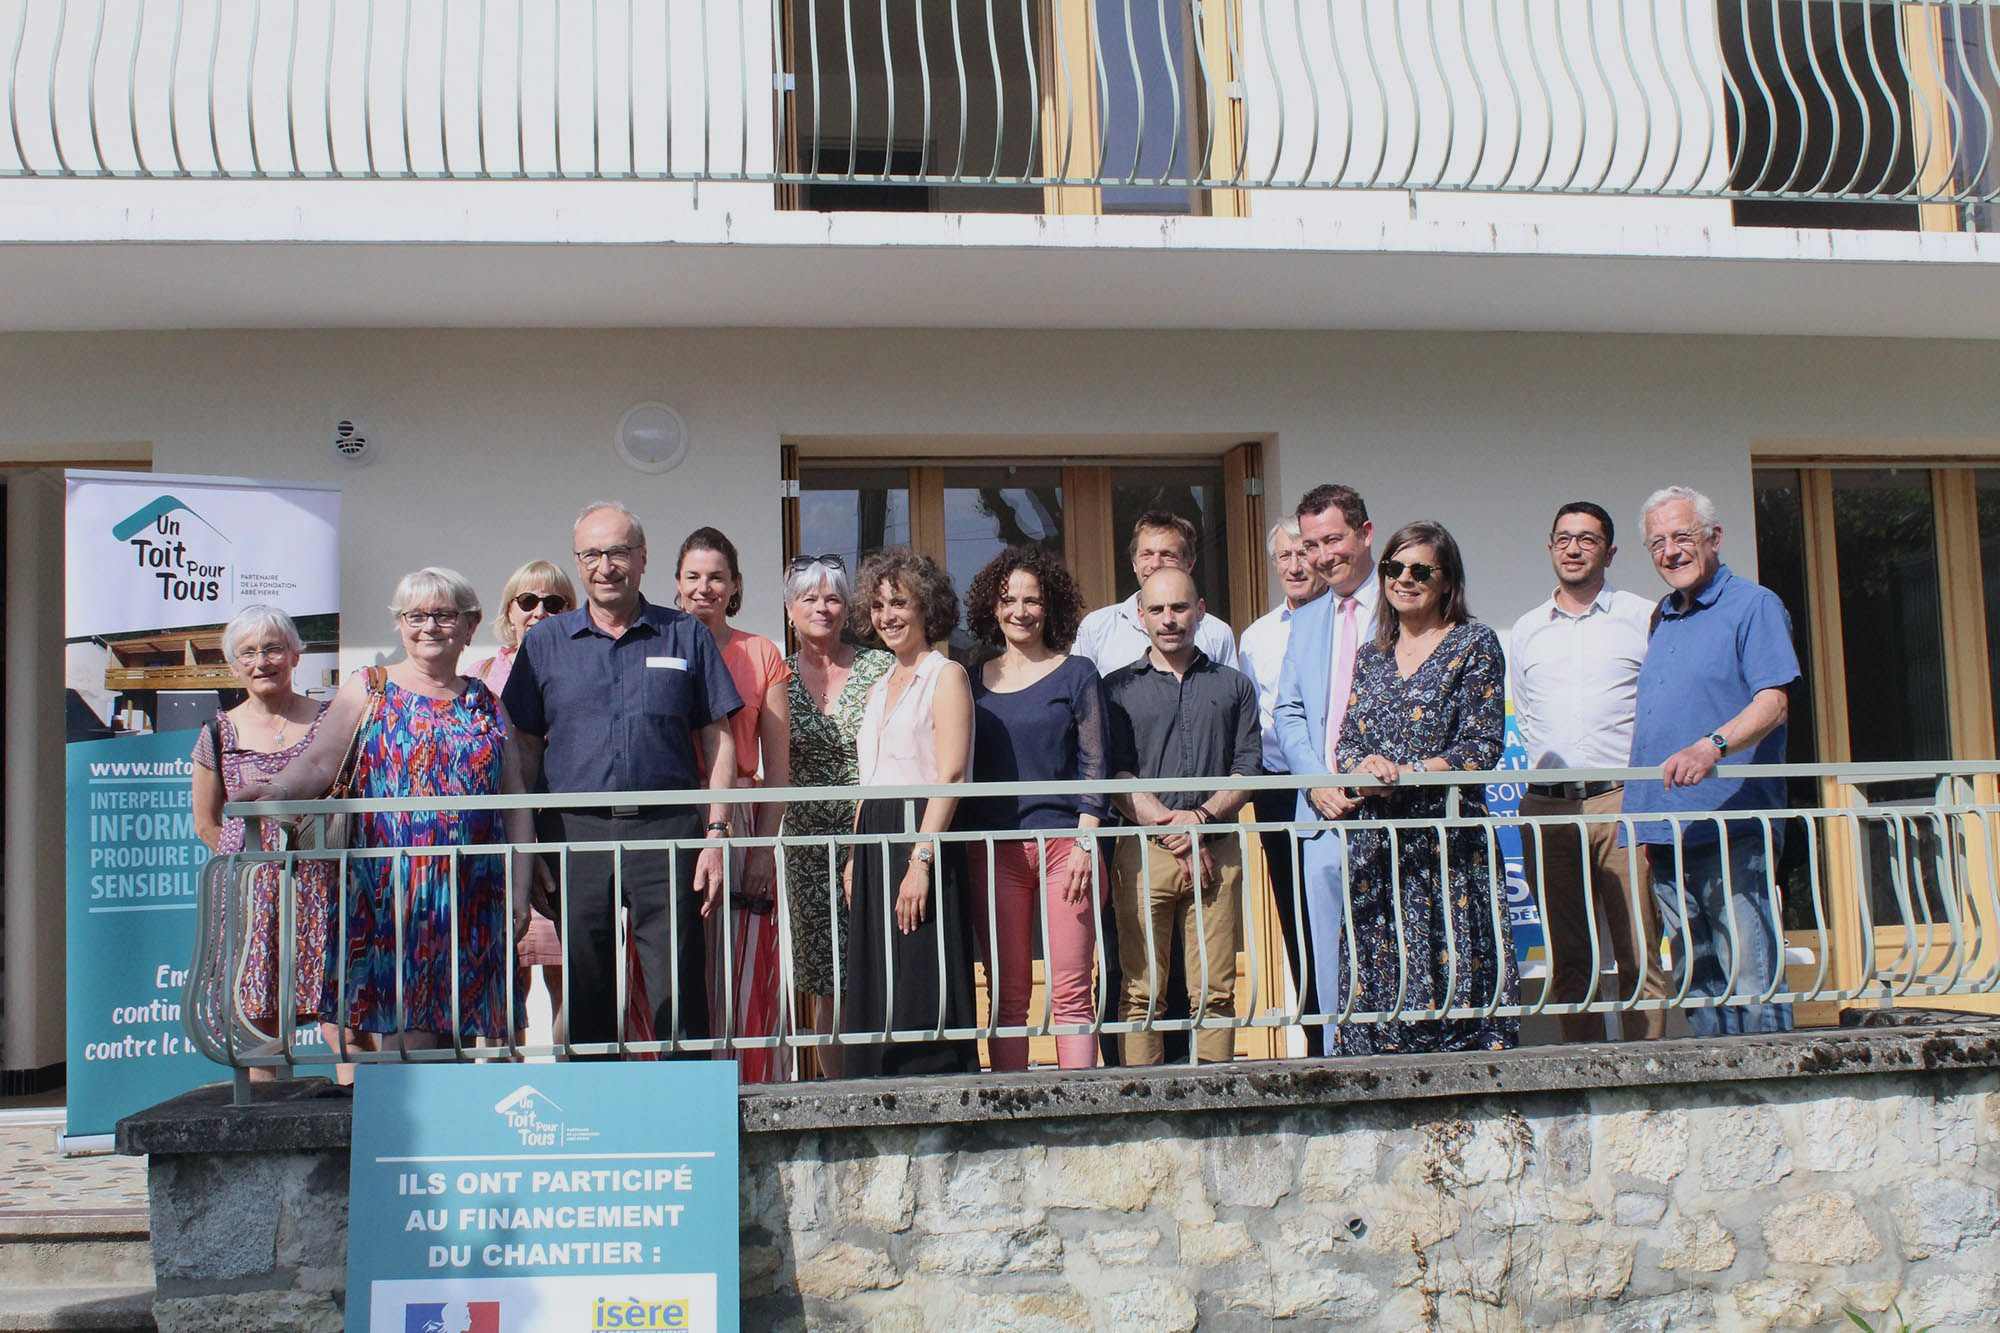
(214, 726)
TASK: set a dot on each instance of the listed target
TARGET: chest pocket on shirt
(665, 689)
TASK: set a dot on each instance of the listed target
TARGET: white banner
(148, 551)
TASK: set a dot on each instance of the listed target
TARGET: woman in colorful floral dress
(425, 731)
(1429, 697)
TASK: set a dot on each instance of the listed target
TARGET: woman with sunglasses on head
(830, 682)
(710, 587)
(535, 591)
(420, 729)
(1429, 697)
(1038, 717)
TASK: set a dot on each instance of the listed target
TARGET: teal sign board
(508, 1198)
(132, 870)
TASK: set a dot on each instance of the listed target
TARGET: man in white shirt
(1261, 656)
(1573, 674)
(1112, 637)
(1311, 703)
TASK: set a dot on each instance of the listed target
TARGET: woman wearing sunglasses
(710, 587)
(831, 679)
(1429, 697)
(536, 591)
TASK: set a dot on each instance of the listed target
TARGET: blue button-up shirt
(1703, 666)
(620, 714)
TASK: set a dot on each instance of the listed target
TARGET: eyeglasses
(1419, 573)
(1582, 541)
(555, 602)
(442, 619)
(1685, 540)
(801, 564)
(616, 555)
(276, 652)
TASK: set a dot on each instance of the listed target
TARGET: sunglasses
(1419, 573)
(554, 602)
(802, 563)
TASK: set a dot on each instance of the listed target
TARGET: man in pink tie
(1313, 689)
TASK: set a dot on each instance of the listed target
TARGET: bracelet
(718, 826)
(1207, 815)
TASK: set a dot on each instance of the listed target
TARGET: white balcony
(1818, 166)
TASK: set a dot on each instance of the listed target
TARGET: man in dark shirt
(611, 697)
(1177, 714)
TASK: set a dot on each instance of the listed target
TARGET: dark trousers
(1278, 852)
(665, 922)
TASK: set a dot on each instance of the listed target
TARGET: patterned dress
(822, 756)
(312, 881)
(418, 746)
(1449, 952)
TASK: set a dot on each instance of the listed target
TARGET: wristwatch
(922, 852)
(1721, 745)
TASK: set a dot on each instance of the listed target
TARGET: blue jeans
(1725, 940)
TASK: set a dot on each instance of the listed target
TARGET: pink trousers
(1016, 897)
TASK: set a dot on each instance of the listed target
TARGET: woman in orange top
(710, 585)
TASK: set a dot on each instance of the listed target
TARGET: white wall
(490, 441)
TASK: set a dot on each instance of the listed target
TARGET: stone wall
(1770, 1182)
(1747, 1206)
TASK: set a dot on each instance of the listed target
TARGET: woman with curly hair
(1038, 716)
(909, 958)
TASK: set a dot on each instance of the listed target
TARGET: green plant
(1901, 1325)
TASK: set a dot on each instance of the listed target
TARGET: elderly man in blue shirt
(612, 697)
(1713, 695)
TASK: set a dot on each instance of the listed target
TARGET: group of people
(867, 919)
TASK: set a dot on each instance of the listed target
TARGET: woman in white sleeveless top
(909, 938)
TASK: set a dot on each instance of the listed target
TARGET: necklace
(278, 729)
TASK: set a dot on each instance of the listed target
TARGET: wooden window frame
(1969, 716)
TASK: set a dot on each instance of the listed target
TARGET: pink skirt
(540, 947)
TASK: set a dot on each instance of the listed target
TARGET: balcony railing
(1133, 103)
(1878, 904)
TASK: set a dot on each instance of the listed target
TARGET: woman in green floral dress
(829, 693)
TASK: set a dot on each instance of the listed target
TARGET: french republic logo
(451, 1317)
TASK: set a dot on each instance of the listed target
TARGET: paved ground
(36, 1180)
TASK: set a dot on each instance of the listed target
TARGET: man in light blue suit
(1312, 697)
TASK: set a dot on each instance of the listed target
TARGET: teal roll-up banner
(155, 566)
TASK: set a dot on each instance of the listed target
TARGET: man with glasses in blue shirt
(612, 697)
(1712, 696)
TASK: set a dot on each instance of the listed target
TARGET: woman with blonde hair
(534, 592)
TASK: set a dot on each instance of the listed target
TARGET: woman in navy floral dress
(1429, 696)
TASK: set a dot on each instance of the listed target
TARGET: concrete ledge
(307, 1115)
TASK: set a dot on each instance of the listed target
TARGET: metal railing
(1880, 903)
(1856, 101)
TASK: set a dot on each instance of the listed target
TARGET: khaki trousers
(1152, 891)
(1626, 908)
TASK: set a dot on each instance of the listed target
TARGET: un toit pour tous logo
(534, 1116)
(154, 534)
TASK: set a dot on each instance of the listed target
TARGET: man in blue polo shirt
(1713, 695)
(611, 697)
